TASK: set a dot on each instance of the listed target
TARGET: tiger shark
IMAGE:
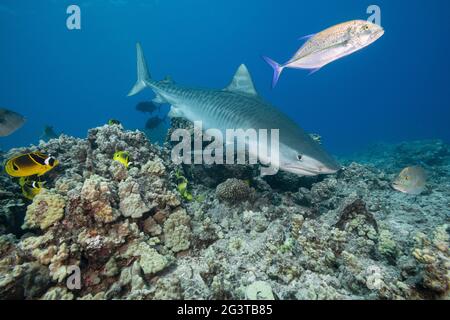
(239, 106)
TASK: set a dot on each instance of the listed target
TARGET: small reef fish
(123, 157)
(411, 180)
(329, 45)
(10, 121)
(239, 106)
(147, 106)
(30, 187)
(153, 122)
(112, 122)
(49, 133)
(30, 164)
(316, 137)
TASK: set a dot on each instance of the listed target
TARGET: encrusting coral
(434, 257)
(97, 197)
(46, 209)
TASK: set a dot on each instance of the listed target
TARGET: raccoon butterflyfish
(123, 157)
(30, 164)
(30, 187)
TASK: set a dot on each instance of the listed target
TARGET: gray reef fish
(329, 45)
(411, 180)
(238, 106)
(48, 133)
(147, 106)
(153, 122)
(10, 121)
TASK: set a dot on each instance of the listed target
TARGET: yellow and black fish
(113, 122)
(30, 164)
(123, 157)
(30, 187)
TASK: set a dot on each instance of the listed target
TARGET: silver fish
(329, 45)
(238, 106)
(10, 121)
(411, 180)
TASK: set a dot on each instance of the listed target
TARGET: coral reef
(133, 234)
(47, 208)
(434, 258)
(233, 190)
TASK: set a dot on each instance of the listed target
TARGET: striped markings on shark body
(236, 142)
(239, 106)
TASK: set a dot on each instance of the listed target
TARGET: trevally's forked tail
(277, 69)
(143, 75)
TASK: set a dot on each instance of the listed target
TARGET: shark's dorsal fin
(168, 80)
(242, 82)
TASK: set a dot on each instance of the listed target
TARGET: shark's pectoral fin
(242, 82)
(159, 99)
(175, 112)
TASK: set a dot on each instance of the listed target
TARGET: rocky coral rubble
(132, 235)
(92, 217)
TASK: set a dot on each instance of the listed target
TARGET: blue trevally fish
(238, 106)
(329, 45)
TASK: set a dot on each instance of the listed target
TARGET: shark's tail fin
(143, 76)
(277, 69)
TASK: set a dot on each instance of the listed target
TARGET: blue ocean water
(394, 90)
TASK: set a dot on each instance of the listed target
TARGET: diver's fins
(142, 72)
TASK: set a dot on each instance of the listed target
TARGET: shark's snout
(309, 166)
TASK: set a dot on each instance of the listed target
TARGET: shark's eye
(299, 157)
(365, 27)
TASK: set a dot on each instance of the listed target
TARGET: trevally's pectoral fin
(309, 36)
(314, 71)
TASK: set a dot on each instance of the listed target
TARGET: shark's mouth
(301, 171)
(308, 170)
